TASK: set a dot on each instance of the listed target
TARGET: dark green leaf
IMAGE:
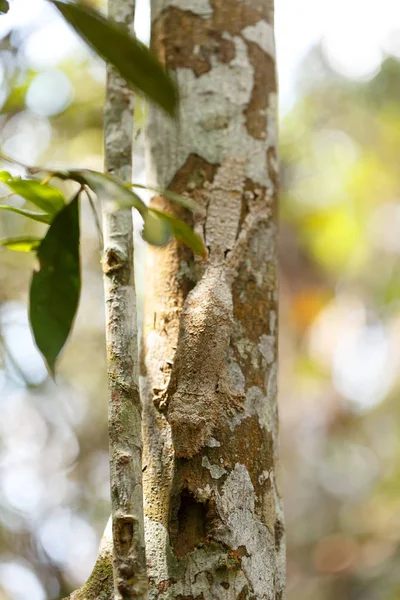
(130, 57)
(55, 287)
(4, 7)
(182, 232)
(44, 196)
(21, 244)
(156, 231)
(41, 217)
(182, 200)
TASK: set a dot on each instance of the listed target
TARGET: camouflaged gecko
(198, 395)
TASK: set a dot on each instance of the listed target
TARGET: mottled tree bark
(213, 516)
(120, 570)
(124, 418)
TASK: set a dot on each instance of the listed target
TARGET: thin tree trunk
(214, 523)
(120, 570)
(124, 418)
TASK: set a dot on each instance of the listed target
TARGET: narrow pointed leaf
(130, 57)
(182, 232)
(21, 244)
(55, 287)
(106, 188)
(44, 196)
(41, 217)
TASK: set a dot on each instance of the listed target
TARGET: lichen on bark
(214, 523)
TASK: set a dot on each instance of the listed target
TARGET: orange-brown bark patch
(264, 84)
(183, 39)
(238, 447)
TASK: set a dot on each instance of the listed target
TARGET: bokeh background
(339, 68)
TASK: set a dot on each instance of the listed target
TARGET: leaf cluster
(55, 286)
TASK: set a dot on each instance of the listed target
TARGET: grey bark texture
(124, 418)
(213, 514)
(120, 569)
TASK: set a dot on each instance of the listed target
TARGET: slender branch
(129, 564)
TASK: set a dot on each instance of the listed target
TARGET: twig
(125, 411)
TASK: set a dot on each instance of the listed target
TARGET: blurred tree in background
(340, 329)
(340, 291)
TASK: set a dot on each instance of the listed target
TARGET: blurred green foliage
(340, 318)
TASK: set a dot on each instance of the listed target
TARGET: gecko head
(216, 257)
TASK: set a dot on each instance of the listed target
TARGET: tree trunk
(213, 516)
(120, 569)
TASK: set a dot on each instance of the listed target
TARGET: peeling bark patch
(264, 84)
(237, 447)
(236, 506)
(247, 435)
(191, 524)
(184, 39)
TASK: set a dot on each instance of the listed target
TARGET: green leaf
(41, 217)
(158, 225)
(156, 231)
(182, 232)
(21, 244)
(182, 200)
(107, 189)
(55, 287)
(130, 57)
(44, 196)
(4, 7)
